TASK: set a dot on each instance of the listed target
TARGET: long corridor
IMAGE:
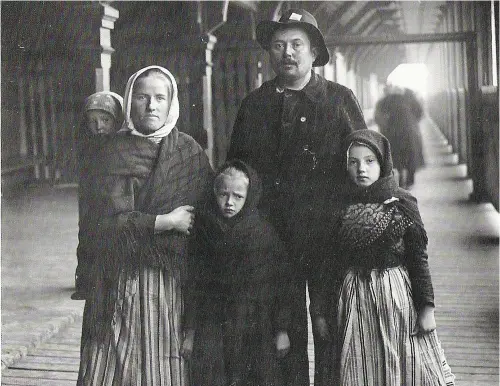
(38, 260)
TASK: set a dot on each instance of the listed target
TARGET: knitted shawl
(386, 187)
(367, 221)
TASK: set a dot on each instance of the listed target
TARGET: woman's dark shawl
(136, 180)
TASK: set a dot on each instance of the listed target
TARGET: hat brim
(266, 29)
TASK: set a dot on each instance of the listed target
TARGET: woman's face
(362, 165)
(100, 122)
(150, 103)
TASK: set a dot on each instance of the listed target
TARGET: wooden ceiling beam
(336, 27)
(348, 40)
(368, 7)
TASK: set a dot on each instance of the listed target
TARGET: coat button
(303, 119)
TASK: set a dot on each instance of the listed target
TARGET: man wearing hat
(290, 130)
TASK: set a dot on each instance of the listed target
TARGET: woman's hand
(426, 321)
(180, 219)
(187, 344)
(282, 344)
(321, 328)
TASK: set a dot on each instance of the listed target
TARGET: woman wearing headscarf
(152, 178)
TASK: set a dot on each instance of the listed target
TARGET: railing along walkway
(463, 257)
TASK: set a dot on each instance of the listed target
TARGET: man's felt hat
(295, 18)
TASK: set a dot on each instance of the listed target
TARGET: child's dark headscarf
(254, 192)
(386, 187)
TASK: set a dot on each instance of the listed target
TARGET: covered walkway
(40, 324)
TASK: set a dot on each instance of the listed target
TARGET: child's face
(231, 193)
(362, 165)
(101, 122)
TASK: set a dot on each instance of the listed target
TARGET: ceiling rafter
(336, 16)
(380, 27)
(367, 8)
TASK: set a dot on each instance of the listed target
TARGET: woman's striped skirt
(378, 343)
(144, 345)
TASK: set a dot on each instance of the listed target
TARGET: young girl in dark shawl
(381, 311)
(150, 180)
(242, 286)
(102, 117)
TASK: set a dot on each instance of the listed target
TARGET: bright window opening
(410, 75)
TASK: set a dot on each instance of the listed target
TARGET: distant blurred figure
(414, 102)
(398, 116)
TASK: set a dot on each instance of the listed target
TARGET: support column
(374, 90)
(210, 41)
(102, 74)
(340, 69)
(477, 166)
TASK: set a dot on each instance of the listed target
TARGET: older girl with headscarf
(152, 179)
(378, 298)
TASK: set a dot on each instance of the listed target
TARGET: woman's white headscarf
(173, 113)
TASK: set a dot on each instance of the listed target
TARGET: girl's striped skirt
(378, 343)
(144, 345)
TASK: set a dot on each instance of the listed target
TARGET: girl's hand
(282, 344)
(187, 345)
(426, 321)
(180, 219)
(321, 328)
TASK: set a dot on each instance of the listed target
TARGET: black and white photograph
(249, 193)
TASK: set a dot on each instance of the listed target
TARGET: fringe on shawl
(121, 253)
(121, 258)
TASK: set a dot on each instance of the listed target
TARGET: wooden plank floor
(53, 363)
(463, 257)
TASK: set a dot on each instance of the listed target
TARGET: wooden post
(55, 132)
(475, 128)
(109, 16)
(34, 136)
(42, 111)
(207, 97)
(23, 129)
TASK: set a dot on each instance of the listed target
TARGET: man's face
(291, 54)
(150, 103)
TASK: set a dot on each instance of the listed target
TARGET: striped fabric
(378, 344)
(144, 348)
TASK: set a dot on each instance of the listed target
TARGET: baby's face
(362, 165)
(231, 193)
(100, 122)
